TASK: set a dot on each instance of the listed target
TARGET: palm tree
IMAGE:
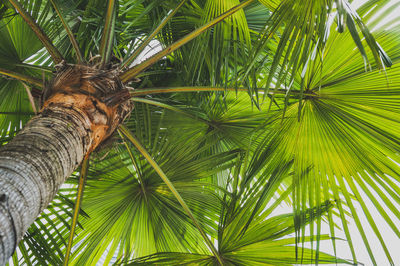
(186, 155)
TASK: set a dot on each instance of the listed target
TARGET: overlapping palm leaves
(327, 129)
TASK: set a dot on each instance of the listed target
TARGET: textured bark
(34, 165)
(83, 106)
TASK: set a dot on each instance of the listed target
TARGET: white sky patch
(392, 11)
(152, 48)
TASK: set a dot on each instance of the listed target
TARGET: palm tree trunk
(34, 165)
(83, 107)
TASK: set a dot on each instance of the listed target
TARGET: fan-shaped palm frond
(147, 207)
(248, 232)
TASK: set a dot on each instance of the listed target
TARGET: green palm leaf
(347, 133)
(142, 206)
(248, 234)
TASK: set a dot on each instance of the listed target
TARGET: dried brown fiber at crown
(96, 93)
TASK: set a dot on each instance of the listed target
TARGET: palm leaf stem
(69, 32)
(107, 38)
(36, 67)
(31, 100)
(126, 132)
(169, 107)
(152, 35)
(134, 71)
(81, 186)
(158, 90)
(16, 113)
(21, 77)
(133, 162)
(53, 51)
